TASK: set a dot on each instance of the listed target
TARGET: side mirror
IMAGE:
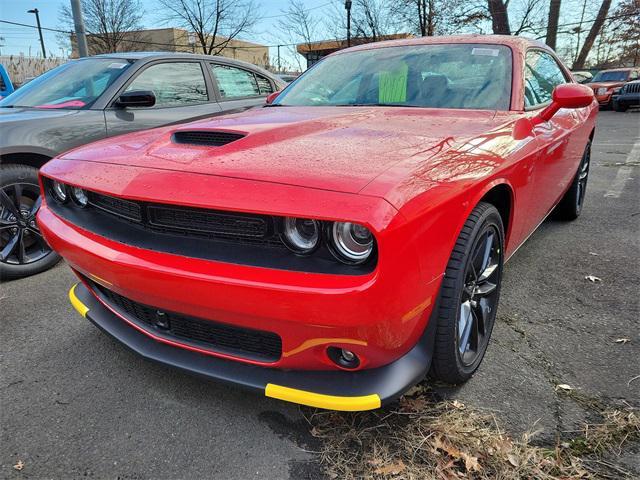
(272, 96)
(136, 98)
(568, 95)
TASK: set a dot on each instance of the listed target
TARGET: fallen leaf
(622, 340)
(19, 466)
(457, 404)
(564, 386)
(593, 278)
(471, 463)
(414, 404)
(513, 460)
(594, 254)
(391, 469)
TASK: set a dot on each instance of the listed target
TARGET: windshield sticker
(118, 65)
(488, 52)
(392, 85)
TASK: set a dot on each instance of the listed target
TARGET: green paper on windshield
(392, 86)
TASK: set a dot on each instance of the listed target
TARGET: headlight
(353, 243)
(602, 91)
(302, 235)
(59, 191)
(79, 196)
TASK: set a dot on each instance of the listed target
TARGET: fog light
(343, 357)
(59, 191)
(79, 196)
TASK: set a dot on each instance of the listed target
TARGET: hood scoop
(205, 137)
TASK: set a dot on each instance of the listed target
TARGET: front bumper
(333, 390)
(627, 100)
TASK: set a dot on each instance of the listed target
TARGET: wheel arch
(30, 159)
(501, 196)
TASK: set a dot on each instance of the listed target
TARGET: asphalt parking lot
(76, 404)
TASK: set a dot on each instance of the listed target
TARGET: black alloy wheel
(23, 250)
(572, 202)
(469, 296)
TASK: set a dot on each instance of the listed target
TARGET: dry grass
(421, 438)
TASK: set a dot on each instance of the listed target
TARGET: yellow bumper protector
(77, 304)
(318, 400)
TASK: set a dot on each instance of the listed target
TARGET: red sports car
(335, 245)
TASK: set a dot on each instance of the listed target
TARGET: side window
(264, 85)
(234, 82)
(174, 84)
(633, 75)
(542, 74)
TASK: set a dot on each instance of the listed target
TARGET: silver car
(97, 97)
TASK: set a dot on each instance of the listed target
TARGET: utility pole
(35, 10)
(78, 23)
(347, 6)
(279, 66)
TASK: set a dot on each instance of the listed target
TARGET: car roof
(620, 69)
(520, 43)
(152, 56)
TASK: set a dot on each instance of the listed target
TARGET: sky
(25, 40)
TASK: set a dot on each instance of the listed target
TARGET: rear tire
(571, 204)
(469, 296)
(23, 251)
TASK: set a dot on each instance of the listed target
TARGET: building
(178, 40)
(314, 51)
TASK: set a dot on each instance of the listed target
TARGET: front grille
(208, 138)
(632, 88)
(217, 337)
(116, 206)
(239, 227)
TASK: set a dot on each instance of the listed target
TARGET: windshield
(436, 76)
(616, 76)
(74, 85)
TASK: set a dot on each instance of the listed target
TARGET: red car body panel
(411, 175)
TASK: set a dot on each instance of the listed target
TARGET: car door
(182, 94)
(239, 88)
(561, 145)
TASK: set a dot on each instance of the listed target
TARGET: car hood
(596, 85)
(333, 148)
(25, 114)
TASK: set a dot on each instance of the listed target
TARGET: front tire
(571, 204)
(23, 250)
(620, 108)
(469, 296)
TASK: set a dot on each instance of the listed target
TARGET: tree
(111, 25)
(552, 23)
(213, 22)
(593, 33)
(499, 17)
(423, 17)
(371, 19)
(299, 26)
(626, 24)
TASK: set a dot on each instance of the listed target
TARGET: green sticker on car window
(392, 85)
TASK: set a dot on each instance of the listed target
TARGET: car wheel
(469, 296)
(620, 108)
(571, 204)
(23, 250)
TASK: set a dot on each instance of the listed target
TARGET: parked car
(628, 96)
(333, 246)
(606, 83)
(582, 76)
(6, 87)
(97, 97)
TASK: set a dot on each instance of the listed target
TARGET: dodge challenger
(333, 247)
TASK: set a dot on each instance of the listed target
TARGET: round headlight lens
(352, 242)
(302, 235)
(79, 196)
(59, 191)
